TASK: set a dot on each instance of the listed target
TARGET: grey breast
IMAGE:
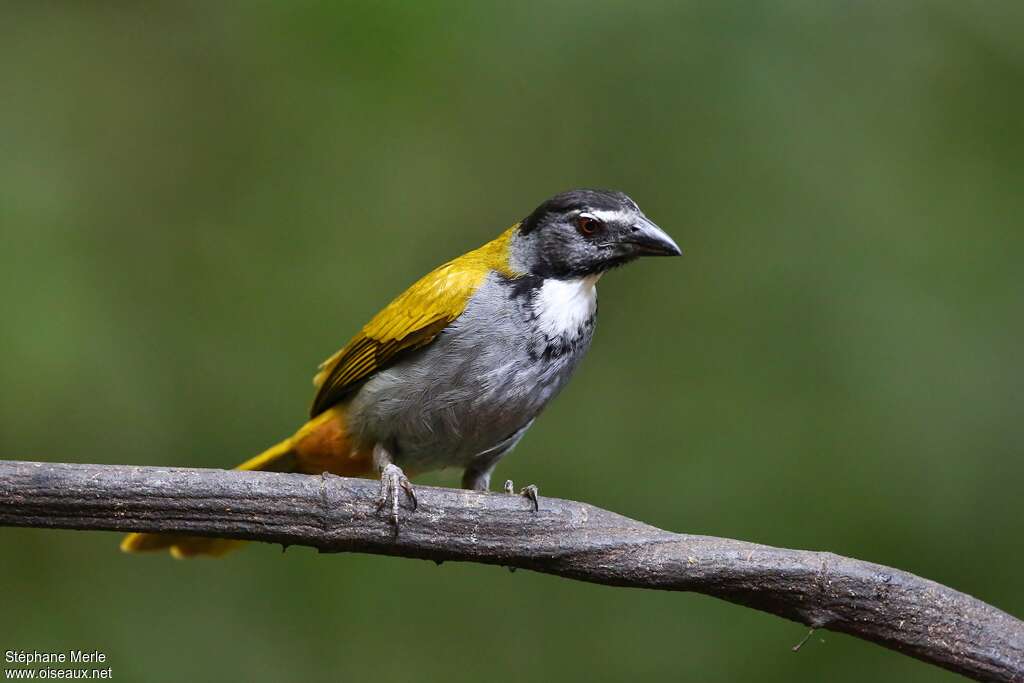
(485, 377)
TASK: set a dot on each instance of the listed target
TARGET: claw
(392, 478)
(530, 492)
(407, 487)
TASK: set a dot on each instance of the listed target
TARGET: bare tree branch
(821, 590)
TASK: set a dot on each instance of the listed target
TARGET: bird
(454, 371)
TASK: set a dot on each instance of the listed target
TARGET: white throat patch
(563, 306)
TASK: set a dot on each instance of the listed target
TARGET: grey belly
(477, 384)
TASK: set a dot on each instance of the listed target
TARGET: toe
(531, 492)
(391, 480)
(410, 491)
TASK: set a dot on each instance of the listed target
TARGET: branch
(890, 607)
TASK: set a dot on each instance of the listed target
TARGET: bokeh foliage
(200, 201)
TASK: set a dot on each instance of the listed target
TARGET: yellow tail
(321, 445)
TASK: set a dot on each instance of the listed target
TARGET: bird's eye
(587, 224)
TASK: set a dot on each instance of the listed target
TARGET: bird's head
(586, 232)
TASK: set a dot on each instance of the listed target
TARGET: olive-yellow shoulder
(412, 320)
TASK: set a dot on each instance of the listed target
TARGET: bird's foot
(530, 492)
(393, 479)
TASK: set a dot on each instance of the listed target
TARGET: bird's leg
(392, 478)
(477, 480)
(530, 492)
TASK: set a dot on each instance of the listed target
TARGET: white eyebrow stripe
(610, 216)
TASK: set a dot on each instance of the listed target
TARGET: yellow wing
(411, 321)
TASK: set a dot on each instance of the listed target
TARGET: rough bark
(887, 606)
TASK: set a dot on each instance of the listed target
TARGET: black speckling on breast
(550, 348)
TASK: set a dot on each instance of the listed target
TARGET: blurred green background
(201, 201)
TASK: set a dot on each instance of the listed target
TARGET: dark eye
(587, 224)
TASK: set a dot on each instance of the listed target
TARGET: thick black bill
(650, 240)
